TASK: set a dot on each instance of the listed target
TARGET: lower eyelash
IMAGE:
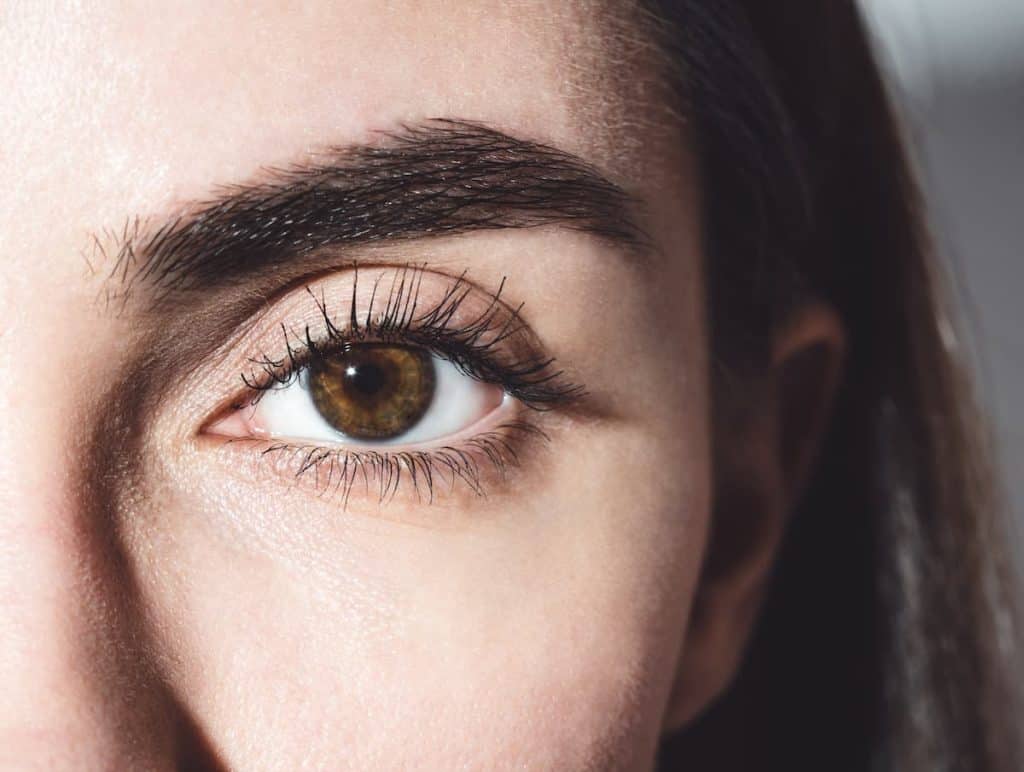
(338, 471)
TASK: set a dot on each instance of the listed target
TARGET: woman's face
(234, 527)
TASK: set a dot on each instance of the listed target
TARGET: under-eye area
(386, 380)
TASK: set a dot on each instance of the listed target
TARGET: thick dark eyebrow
(439, 178)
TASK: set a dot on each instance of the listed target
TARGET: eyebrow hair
(442, 177)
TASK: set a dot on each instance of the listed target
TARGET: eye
(369, 394)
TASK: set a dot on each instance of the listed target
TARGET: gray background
(957, 69)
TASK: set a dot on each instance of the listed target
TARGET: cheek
(541, 636)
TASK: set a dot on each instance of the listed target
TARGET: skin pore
(172, 598)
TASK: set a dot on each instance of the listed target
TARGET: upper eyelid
(483, 333)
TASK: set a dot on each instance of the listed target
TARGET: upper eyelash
(473, 346)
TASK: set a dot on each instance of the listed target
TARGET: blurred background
(957, 70)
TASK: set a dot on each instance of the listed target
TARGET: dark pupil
(373, 391)
(365, 378)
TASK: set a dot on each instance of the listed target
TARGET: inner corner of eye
(236, 422)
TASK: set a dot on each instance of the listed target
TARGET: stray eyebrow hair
(442, 177)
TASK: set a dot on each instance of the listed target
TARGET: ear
(764, 452)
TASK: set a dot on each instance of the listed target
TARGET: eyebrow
(443, 177)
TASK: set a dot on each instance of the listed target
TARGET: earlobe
(763, 460)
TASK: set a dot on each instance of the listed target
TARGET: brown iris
(373, 391)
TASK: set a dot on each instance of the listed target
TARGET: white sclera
(459, 401)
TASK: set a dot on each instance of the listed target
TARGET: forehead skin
(125, 81)
(114, 110)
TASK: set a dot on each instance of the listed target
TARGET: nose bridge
(78, 685)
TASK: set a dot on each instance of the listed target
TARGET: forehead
(159, 100)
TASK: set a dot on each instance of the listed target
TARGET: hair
(884, 641)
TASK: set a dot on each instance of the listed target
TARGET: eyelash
(336, 471)
(477, 347)
(474, 346)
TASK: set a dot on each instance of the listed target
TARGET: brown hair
(884, 641)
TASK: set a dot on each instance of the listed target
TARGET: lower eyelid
(474, 464)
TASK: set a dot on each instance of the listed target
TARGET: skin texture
(184, 600)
